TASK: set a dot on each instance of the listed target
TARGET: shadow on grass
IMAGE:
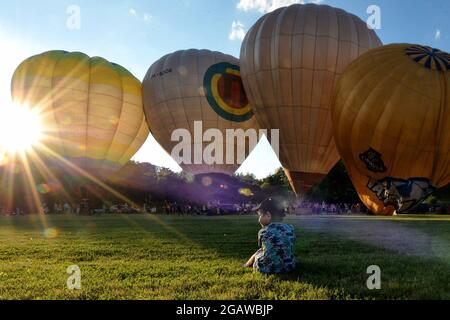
(326, 260)
(330, 260)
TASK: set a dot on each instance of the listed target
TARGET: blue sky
(137, 33)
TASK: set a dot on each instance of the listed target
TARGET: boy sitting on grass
(276, 240)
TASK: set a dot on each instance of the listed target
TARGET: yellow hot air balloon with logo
(291, 59)
(196, 92)
(91, 110)
(391, 116)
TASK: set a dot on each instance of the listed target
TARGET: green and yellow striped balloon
(91, 109)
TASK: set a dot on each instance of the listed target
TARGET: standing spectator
(67, 208)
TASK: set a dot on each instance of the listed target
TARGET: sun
(20, 129)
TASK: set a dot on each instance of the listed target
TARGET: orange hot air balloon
(198, 89)
(391, 117)
(291, 59)
(91, 109)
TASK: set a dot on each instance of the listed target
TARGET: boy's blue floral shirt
(276, 253)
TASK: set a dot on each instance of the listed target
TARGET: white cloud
(132, 12)
(237, 31)
(146, 17)
(249, 5)
(437, 35)
(265, 6)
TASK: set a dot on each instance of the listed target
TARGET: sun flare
(20, 129)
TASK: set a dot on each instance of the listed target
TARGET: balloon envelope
(291, 59)
(91, 109)
(197, 86)
(392, 125)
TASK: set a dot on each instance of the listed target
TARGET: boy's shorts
(267, 265)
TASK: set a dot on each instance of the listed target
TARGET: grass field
(160, 257)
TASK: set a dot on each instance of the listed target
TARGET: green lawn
(160, 257)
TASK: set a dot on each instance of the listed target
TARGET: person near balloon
(276, 240)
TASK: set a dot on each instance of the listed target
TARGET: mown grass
(161, 257)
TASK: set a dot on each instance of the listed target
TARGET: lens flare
(207, 181)
(3, 159)
(246, 192)
(51, 233)
(43, 188)
(20, 129)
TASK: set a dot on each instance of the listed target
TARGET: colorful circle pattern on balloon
(225, 92)
(430, 58)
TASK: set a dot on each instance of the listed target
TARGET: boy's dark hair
(273, 206)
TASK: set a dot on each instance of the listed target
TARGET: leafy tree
(336, 187)
(248, 178)
(278, 179)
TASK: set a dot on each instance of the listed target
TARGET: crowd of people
(297, 208)
(167, 207)
(82, 208)
(212, 208)
(324, 208)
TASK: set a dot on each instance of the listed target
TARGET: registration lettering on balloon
(403, 195)
(225, 92)
(373, 160)
(161, 73)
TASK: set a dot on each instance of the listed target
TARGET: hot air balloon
(391, 117)
(195, 91)
(91, 109)
(291, 59)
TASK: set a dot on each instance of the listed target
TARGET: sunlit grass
(138, 257)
